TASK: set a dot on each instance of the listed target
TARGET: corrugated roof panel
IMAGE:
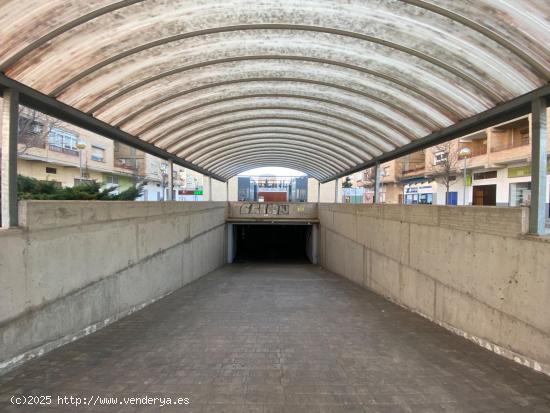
(233, 84)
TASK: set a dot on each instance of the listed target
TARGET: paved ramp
(280, 338)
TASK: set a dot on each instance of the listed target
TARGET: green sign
(519, 171)
(198, 192)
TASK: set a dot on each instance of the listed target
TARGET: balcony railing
(55, 148)
(510, 145)
(124, 165)
(32, 141)
(411, 169)
(478, 151)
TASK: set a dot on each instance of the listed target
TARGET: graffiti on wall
(264, 209)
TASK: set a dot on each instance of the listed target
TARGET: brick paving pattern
(280, 338)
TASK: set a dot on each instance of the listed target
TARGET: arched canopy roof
(322, 86)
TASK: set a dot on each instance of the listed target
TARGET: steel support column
(377, 183)
(227, 190)
(539, 161)
(210, 188)
(170, 196)
(336, 181)
(8, 136)
(319, 192)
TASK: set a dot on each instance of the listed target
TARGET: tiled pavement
(280, 338)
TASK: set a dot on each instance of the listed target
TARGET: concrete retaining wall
(75, 266)
(472, 270)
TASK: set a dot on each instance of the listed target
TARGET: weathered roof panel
(316, 85)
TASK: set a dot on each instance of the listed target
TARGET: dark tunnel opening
(275, 243)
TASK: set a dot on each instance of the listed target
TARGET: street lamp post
(465, 154)
(81, 145)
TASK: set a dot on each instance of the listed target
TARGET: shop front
(419, 193)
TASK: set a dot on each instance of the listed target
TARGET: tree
(347, 183)
(31, 188)
(33, 130)
(445, 165)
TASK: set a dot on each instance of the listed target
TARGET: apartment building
(497, 169)
(51, 150)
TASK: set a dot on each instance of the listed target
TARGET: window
(50, 170)
(425, 199)
(520, 194)
(485, 175)
(440, 157)
(112, 179)
(62, 141)
(98, 154)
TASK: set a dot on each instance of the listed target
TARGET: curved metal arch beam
(64, 28)
(324, 162)
(148, 107)
(380, 144)
(300, 163)
(297, 133)
(495, 97)
(427, 96)
(373, 128)
(542, 70)
(251, 165)
(239, 170)
(251, 139)
(161, 119)
(271, 143)
(300, 147)
(165, 135)
(290, 109)
(367, 149)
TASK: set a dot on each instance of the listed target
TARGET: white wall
(219, 191)
(233, 189)
(327, 192)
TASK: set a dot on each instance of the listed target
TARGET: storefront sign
(418, 189)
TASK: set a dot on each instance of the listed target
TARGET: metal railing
(124, 165)
(55, 148)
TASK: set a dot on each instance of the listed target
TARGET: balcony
(499, 147)
(68, 151)
(32, 140)
(412, 169)
(477, 150)
(124, 165)
(413, 164)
